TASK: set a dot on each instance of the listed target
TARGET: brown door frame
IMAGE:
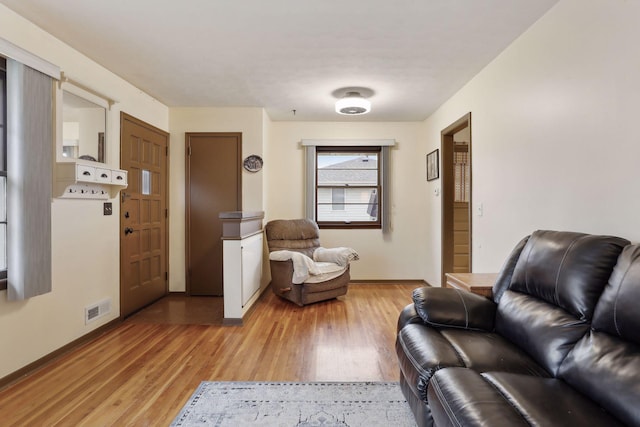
(187, 201)
(448, 183)
(124, 116)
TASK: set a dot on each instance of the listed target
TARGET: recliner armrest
(341, 256)
(453, 308)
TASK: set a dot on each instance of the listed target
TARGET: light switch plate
(107, 209)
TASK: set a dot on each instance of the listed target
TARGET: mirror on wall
(83, 128)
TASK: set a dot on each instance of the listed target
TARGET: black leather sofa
(557, 345)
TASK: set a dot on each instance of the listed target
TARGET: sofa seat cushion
(608, 370)
(459, 396)
(422, 350)
(326, 271)
(488, 351)
(328, 284)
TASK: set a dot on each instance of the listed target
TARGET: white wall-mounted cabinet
(76, 180)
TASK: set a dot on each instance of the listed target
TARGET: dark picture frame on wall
(433, 165)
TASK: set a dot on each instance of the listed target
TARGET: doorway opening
(456, 197)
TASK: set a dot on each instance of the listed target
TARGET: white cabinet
(242, 250)
(251, 256)
(103, 175)
(242, 274)
(75, 180)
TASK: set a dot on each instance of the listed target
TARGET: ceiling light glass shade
(353, 104)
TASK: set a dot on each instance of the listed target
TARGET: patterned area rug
(296, 404)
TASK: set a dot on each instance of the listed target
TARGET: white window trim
(348, 142)
(10, 50)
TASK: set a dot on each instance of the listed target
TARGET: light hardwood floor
(143, 371)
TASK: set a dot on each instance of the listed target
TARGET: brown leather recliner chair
(300, 236)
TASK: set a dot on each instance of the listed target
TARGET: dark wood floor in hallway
(143, 371)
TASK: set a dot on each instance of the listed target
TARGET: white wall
(250, 122)
(554, 132)
(398, 255)
(85, 243)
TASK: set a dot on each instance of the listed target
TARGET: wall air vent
(96, 311)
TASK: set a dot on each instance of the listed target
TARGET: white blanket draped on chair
(325, 265)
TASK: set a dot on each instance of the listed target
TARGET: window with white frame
(348, 182)
(348, 185)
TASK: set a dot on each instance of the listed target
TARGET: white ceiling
(291, 54)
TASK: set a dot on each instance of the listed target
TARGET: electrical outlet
(107, 209)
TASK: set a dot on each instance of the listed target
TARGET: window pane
(3, 247)
(347, 169)
(146, 182)
(347, 185)
(337, 198)
(360, 204)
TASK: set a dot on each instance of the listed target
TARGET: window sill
(342, 225)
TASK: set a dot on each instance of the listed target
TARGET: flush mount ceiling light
(353, 104)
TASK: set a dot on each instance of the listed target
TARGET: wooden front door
(213, 185)
(143, 210)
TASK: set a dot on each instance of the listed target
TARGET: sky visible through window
(328, 160)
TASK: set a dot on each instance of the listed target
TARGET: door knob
(128, 230)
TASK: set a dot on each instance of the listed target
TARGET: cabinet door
(251, 266)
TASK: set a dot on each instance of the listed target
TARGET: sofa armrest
(303, 266)
(408, 315)
(281, 272)
(454, 308)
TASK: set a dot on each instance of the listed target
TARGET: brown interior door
(143, 210)
(213, 185)
(461, 250)
(456, 210)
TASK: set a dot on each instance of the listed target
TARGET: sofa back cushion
(568, 270)
(300, 235)
(554, 288)
(605, 364)
(618, 310)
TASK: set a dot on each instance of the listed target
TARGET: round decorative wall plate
(253, 163)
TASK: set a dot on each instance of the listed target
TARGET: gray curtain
(310, 180)
(29, 175)
(386, 189)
